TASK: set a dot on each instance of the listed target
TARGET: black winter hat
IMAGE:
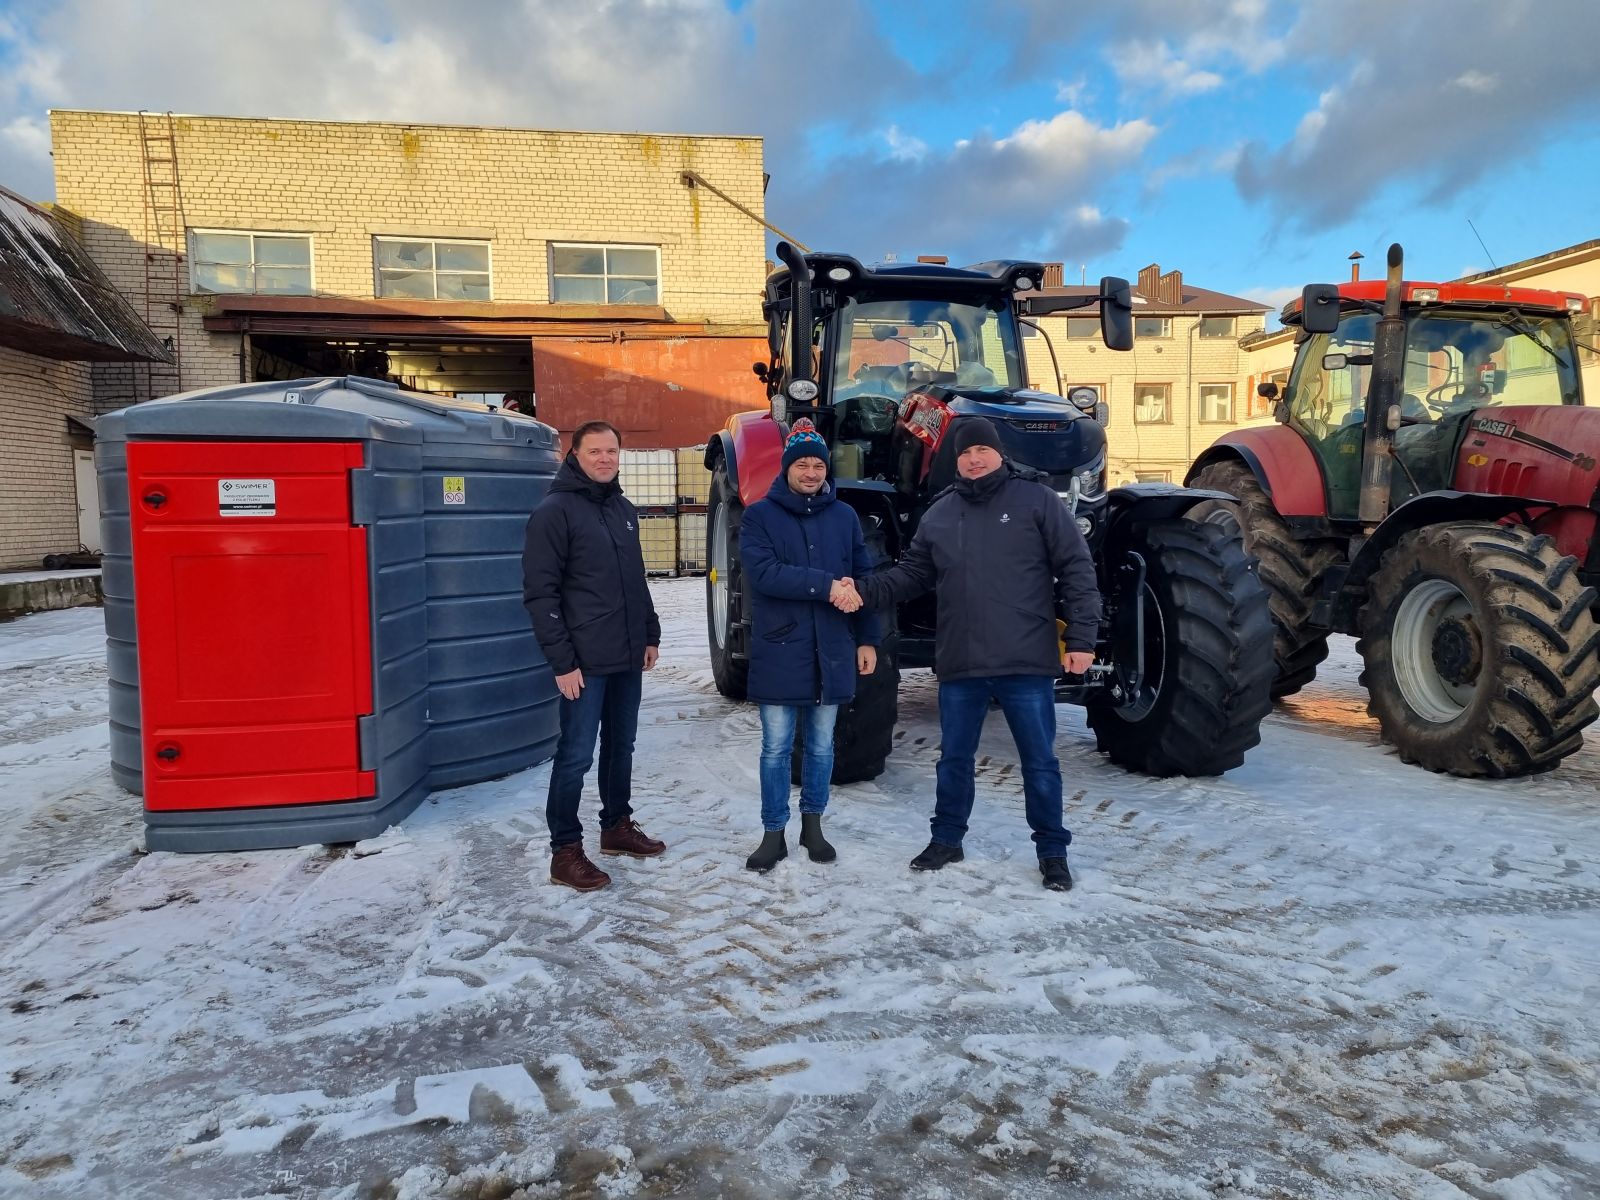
(977, 431)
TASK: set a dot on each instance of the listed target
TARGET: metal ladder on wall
(165, 254)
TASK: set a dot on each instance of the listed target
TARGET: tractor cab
(1464, 353)
(892, 354)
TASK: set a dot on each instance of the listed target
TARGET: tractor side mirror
(1267, 390)
(759, 370)
(1335, 362)
(1116, 313)
(1319, 308)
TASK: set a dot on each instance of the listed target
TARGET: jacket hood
(570, 478)
(781, 494)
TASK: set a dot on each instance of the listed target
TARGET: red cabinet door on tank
(254, 634)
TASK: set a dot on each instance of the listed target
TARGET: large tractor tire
(725, 598)
(1480, 650)
(1207, 652)
(863, 734)
(1292, 569)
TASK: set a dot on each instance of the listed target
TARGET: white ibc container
(649, 478)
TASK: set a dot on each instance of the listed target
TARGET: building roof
(1582, 252)
(54, 300)
(1159, 294)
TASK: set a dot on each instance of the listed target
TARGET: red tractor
(1431, 488)
(887, 360)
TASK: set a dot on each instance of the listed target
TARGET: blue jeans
(816, 763)
(1028, 702)
(608, 706)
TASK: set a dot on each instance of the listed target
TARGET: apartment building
(1181, 386)
(582, 274)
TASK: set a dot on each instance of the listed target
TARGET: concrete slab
(39, 591)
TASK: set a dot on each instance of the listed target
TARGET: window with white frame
(1216, 327)
(594, 273)
(242, 262)
(1152, 327)
(1083, 327)
(432, 269)
(1216, 403)
(1152, 476)
(1152, 403)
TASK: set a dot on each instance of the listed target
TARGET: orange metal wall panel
(660, 393)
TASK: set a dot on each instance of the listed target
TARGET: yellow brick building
(435, 255)
(1181, 386)
(58, 314)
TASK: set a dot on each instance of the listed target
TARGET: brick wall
(345, 183)
(38, 498)
(1184, 362)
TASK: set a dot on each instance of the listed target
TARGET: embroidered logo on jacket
(1004, 517)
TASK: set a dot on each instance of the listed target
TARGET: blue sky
(1253, 144)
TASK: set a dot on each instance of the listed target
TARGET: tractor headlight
(803, 390)
(1091, 480)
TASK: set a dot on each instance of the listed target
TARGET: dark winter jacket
(583, 578)
(1004, 558)
(802, 648)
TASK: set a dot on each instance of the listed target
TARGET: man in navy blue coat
(801, 551)
(583, 583)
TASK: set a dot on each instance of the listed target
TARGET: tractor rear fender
(1431, 508)
(751, 444)
(1135, 504)
(1282, 463)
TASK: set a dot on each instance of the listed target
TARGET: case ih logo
(1037, 426)
(1498, 428)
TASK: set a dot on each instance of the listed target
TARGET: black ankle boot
(773, 850)
(811, 838)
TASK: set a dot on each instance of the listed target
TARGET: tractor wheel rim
(719, 574)
(1155, 657)
(1223, 517)
(1425, 608)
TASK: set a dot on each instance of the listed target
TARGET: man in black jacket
(1003, 555)
(584, 586)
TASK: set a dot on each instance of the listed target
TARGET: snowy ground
(1325, 975)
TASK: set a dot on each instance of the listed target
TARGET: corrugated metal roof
(55, 301)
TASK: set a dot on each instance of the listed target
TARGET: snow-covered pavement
(1324, 975)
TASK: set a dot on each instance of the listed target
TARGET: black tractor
(886, 361)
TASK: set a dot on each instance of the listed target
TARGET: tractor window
(888, 347)
(1456, 364)
(1327, 402)
(1325, 393)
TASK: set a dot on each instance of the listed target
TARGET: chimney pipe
(1355, 265)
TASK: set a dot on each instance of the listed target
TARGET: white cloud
(1072, 94)
(1146, 65)
(1404, 105)
(27, 137)
(903, 147)
(1477, 81)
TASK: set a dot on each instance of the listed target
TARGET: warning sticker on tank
(455, 489)
(247, 497)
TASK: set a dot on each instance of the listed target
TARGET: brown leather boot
(569, 866)
(628, 838)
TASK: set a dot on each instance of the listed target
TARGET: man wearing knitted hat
(801, 549)
(1004, 558)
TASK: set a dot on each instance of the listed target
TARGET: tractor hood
(1038, 429)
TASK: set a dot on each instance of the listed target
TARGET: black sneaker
(1056, 876)
(937, 856)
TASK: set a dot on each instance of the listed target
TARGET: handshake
(843, 595)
